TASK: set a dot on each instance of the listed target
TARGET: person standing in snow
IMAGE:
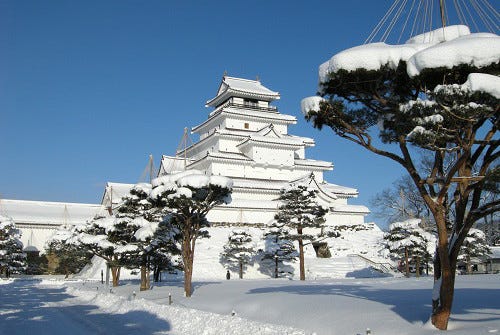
(228, 275)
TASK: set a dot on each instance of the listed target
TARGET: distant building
(38, 220)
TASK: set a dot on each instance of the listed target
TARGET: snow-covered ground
(260, 306)
(351, 256)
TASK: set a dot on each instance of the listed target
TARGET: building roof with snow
(243, 88)
(247, 139)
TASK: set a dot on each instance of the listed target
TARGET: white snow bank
(483, 82)
(310, 104)
(183, 320)
(440, 35)
(369, 57)
(475, 50)
(448, 47)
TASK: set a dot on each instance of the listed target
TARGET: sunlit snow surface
(387, 306)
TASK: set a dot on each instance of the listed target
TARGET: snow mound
(444, 47)
(184, 320)
(475, 50)
(484, 83)
(310, 104)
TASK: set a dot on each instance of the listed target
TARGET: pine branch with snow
(238, 251)
(302, 215)
(12, 257)
(279, 250)
(185, 199)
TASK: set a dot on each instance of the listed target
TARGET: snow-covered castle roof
(48, 212)
(244, 88)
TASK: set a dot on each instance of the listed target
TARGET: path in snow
(26, 308)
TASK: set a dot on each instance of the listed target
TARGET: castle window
(250, 102)
(246, 125)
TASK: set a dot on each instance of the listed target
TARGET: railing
(382, 267)
(273, 109)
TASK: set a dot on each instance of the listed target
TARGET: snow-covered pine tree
(406, 240)
(12, 257)
(279, 248)
(185, 199)
(300, 212)
(93, 236)
(165, 252)
(474, 248)
(69, 258)
(238, 251)
(438, 94)
(136, 225)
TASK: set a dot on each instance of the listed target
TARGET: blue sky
(89, 89)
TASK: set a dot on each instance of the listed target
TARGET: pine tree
(446, 110)
(136, 225)
(474, 246)
(279, 248)
(12, 257)
(70, 257)
(185, 199)
(93, 237)
(301, 213)
(406, 240)
(238, 251)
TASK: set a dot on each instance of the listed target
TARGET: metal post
(170, 299)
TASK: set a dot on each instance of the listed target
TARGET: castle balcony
(250, 106)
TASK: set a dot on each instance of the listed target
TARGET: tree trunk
(156, 274)
(115, 274)
(275, 267)
(241, 269)
(417, 270)
(301, 259)
(187, 258)
(468, 265)
(444, 279)
(144, 278)
(407, 265)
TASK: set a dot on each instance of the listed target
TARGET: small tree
(136, 225)
(100, 236)
(279, 248)
(70, 258)
(238, 251)
(186, 198)
(474, 246)
(164, 252)
(12, 257)
(300, 212)
(406, 240)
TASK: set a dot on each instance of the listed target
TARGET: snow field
(389, 306)
(183, 320)
(208, 267)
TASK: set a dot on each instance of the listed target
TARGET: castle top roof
(244, 88)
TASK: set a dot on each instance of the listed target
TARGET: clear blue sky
(88, 89)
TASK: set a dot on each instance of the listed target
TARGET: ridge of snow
(444, 47)
(483, 82)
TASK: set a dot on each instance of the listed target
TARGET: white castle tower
(247, 139)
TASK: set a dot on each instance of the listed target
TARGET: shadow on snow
(27, 309)
(413, 305)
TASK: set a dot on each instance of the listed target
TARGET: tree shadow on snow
(27, 309)
(413, 305)
(179, 283)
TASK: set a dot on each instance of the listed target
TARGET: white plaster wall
(272, 156)
(35, 236)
